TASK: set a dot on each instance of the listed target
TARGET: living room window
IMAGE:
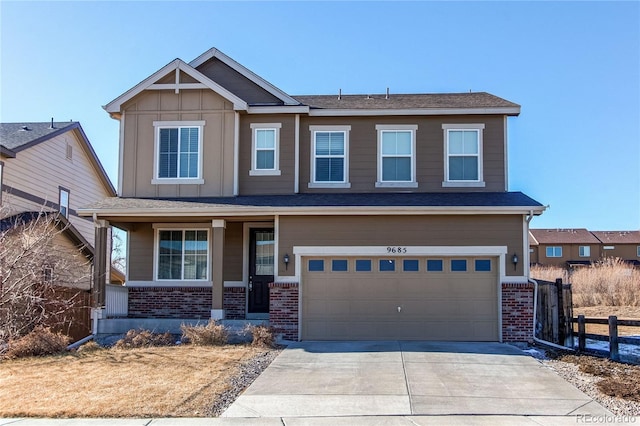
(265, 148)
(463, 155)
(183, 254)
(396, 156)
(554, 251)
(330, 157)
(584, 251)
(178, 152)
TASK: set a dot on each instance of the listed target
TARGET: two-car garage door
(400, 298)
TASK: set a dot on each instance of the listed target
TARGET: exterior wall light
(285, 259)
(515, 259)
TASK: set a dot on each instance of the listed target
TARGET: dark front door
(261, 267)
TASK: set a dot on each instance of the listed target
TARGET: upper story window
(638, 251)
(554, 251)
(329, 157)
(265, 149)
(178, 152)
(396, 156)
(64, 202)
(584, 251)
(183, 254)
(463, 155)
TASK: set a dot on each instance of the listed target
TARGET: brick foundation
(283, 309)
(234, 303)
(517, 312)
(170, 302)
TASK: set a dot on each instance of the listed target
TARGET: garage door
(396, 298)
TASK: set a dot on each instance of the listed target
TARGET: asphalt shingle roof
(445, 199)
(564, 236)
(618, 237)
(15, 136)
(407, 101)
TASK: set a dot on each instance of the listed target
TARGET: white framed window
(182, 254)
(554, 251)
(265, 149)
(63, 201)
(638, 251)
(329, 157)
(584, 251)
(396, 156)
(463, 155)
(1, 171)
(178, 152)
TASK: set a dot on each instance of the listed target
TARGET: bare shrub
(90, 346)
(262, 335)
(211, 334)
(609, 282)
(41, 341)
(37, 265)
(144, 339)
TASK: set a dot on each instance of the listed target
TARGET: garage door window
(316, 265)
(434, 265)
(458, 265)
(410, 265)
(387, 265)
(363, 265)
(483, 265)
(339, 265)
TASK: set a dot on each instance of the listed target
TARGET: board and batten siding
(385, 231)
(363, 151)
(188, 105)
(41, 169)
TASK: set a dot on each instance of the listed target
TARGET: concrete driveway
(322, 379)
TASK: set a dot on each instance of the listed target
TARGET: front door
(261, 269)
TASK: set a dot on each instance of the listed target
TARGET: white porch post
(217, 276)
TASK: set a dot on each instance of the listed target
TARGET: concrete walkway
(324, 379)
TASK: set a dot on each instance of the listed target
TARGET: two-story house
(335, 217)
(563, 247)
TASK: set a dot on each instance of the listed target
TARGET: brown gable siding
(363, 161)
(236, 83)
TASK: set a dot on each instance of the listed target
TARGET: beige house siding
(268, 185)
(430, 151)
(499, 230)
(188, 105)
(623, 251)
(233, 249)
(41, 169)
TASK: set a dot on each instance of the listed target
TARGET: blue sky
(573, 66)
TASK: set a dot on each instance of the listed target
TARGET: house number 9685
(396, 250)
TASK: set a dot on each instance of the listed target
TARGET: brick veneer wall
(170, 302)
(517, 312)
(234, 303)
(283, 309)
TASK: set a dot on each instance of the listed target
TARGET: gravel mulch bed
(249, 371)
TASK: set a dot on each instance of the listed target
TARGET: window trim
(156, 253)
(581, 251)
(381, 129)
(546, 251)
(1, 179)
(329, 129)
(478, 183)
(254, 151)
(638, 251)
(62, 190)
(158, 125)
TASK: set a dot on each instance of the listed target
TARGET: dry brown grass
(180, 381)
(607, 283)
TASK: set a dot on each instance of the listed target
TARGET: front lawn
(175, 381)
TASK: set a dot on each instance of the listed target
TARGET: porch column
(217, 268)
(100, 256)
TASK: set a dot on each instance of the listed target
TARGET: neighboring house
(333, 216)
(622, 244)
(563, 247)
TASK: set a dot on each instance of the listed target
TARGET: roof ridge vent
(387, 97)
(52, 126)
(25, 128)
(339, 94)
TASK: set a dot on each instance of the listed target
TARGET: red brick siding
(517, 312)
(234, 303)
(283, 309)
(170, 302)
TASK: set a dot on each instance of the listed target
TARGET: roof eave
(332, 112)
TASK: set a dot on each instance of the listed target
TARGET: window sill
(170, 283)
(329, 185)
(264, 173)
(177, 181)
(396, 184)
(462, 184)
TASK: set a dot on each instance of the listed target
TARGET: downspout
(535, 303)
